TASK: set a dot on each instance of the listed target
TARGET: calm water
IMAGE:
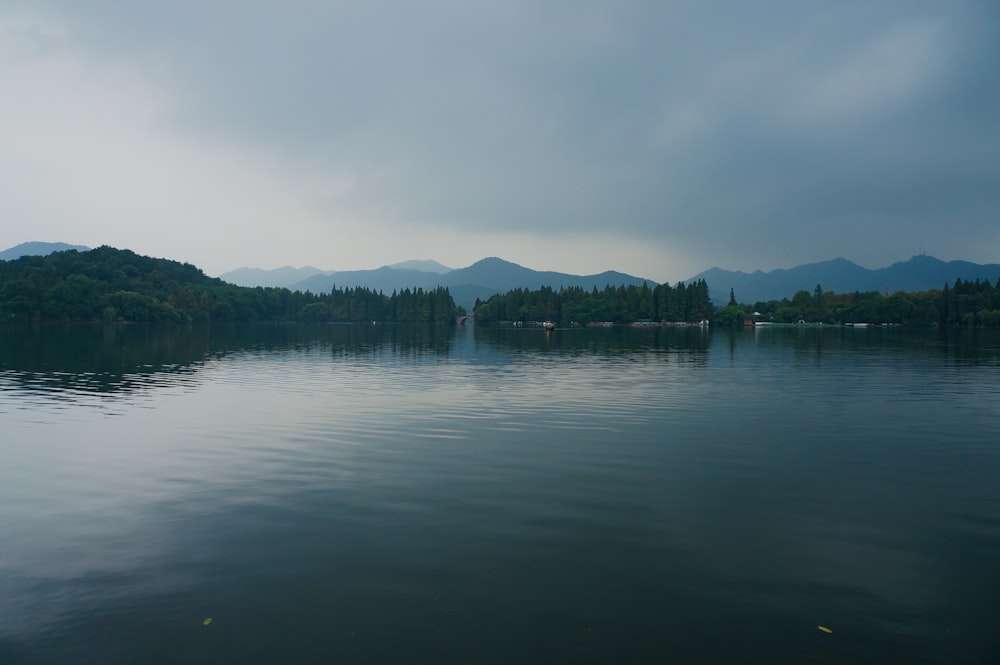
(390, 495)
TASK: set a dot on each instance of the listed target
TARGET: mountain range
(482, 279)
(38, 249)
(289, 277)
(494, 275)
(920, 273)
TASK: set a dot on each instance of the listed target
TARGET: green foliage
(730, 316)
(621, 304)
(964, 304)
(112, 284)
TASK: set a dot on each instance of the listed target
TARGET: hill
(423, 265)
(482, 279)
(119, 285)
(920, 273)
(37, 249)
(287, 276)
(280, 277)
(101, 283)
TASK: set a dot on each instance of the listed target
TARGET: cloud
(89, 155)
(883, 74)
(718, 133)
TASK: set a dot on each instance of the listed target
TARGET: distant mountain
(480, 280)
(289, 277)
(383, 279)
(38, 249)
(920, 273)
(502, 276)
(425, 265)
(280, 277)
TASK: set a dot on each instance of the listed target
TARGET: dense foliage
(622, 304)
(119, 285)
(965, 303)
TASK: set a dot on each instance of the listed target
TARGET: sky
(657, 138)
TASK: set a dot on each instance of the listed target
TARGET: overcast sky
(658, 138)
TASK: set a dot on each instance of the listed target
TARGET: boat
(549, 325)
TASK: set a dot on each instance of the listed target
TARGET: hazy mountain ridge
(285, 276)
(383, 279)
(482, 279)
(38, 249)
(422, 265)
(920, 273)
(494, 275)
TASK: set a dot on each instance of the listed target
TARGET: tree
(819, 309)
(730, 316)
(113, 284)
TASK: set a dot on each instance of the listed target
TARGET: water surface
(392, 494)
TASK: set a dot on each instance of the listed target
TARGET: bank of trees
(964, 303)
(621, 304)
(118, 285)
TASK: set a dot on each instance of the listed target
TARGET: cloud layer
(653, 137)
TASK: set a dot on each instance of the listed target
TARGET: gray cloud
(741, 134)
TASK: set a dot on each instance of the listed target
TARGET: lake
(387, 494)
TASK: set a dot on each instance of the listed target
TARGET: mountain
(118, 285)
(920, 273)
(425, 265)
(502, 276)
(107, 284)
(285, 276)
(493, 275)
(383, 279)
(480, 280)
(38, 249)
(289, 277)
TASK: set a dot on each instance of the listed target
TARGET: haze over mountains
(480, 280)
(38, 249)
(920, 273)
(494, 275)
(289, 277)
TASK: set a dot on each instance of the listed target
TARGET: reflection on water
(397, 494)
(110, 358)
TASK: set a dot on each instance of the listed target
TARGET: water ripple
(648, 489)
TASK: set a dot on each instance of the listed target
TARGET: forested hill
(920, 273)
(119, 285)
(623, 304)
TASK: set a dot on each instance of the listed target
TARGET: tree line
(119, 285)
(964, 303)
(621, 304)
